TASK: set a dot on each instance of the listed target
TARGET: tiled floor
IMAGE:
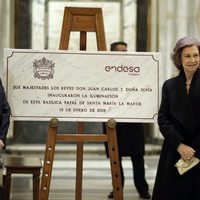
(96, 178)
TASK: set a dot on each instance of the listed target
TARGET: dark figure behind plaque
(4, 124)
(4, 117)
(130, 137)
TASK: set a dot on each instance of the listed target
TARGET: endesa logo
(123, 68)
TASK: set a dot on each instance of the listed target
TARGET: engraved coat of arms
(43, 69)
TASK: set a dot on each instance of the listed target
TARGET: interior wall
(47, 21)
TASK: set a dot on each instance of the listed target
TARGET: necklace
(187, 87)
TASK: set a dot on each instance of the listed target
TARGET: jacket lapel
(184, 106)
(194, 96)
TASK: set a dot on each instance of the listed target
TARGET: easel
(82, 20)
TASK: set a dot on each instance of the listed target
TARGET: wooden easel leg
(114, 160)
(48, 160)
(83, 40)
(79, 152)
(79, 164)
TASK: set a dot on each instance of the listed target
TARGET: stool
(22, 165)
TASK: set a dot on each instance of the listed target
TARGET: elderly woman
(179, 123)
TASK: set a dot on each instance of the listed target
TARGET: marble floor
(96, 178)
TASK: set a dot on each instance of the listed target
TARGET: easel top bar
(83, 20)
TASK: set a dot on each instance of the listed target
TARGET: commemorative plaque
(82, 86)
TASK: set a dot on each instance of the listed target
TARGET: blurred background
(145, 25)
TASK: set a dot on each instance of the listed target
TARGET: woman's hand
(1, 144)
(185, 151)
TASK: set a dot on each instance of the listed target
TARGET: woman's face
(190, 59)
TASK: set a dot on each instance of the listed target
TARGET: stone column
(23, 24)
(6, 30)
(129, 23)
(39, 24)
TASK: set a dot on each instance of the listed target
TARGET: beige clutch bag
(185, 165)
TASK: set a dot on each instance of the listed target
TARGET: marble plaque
(82, 85)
